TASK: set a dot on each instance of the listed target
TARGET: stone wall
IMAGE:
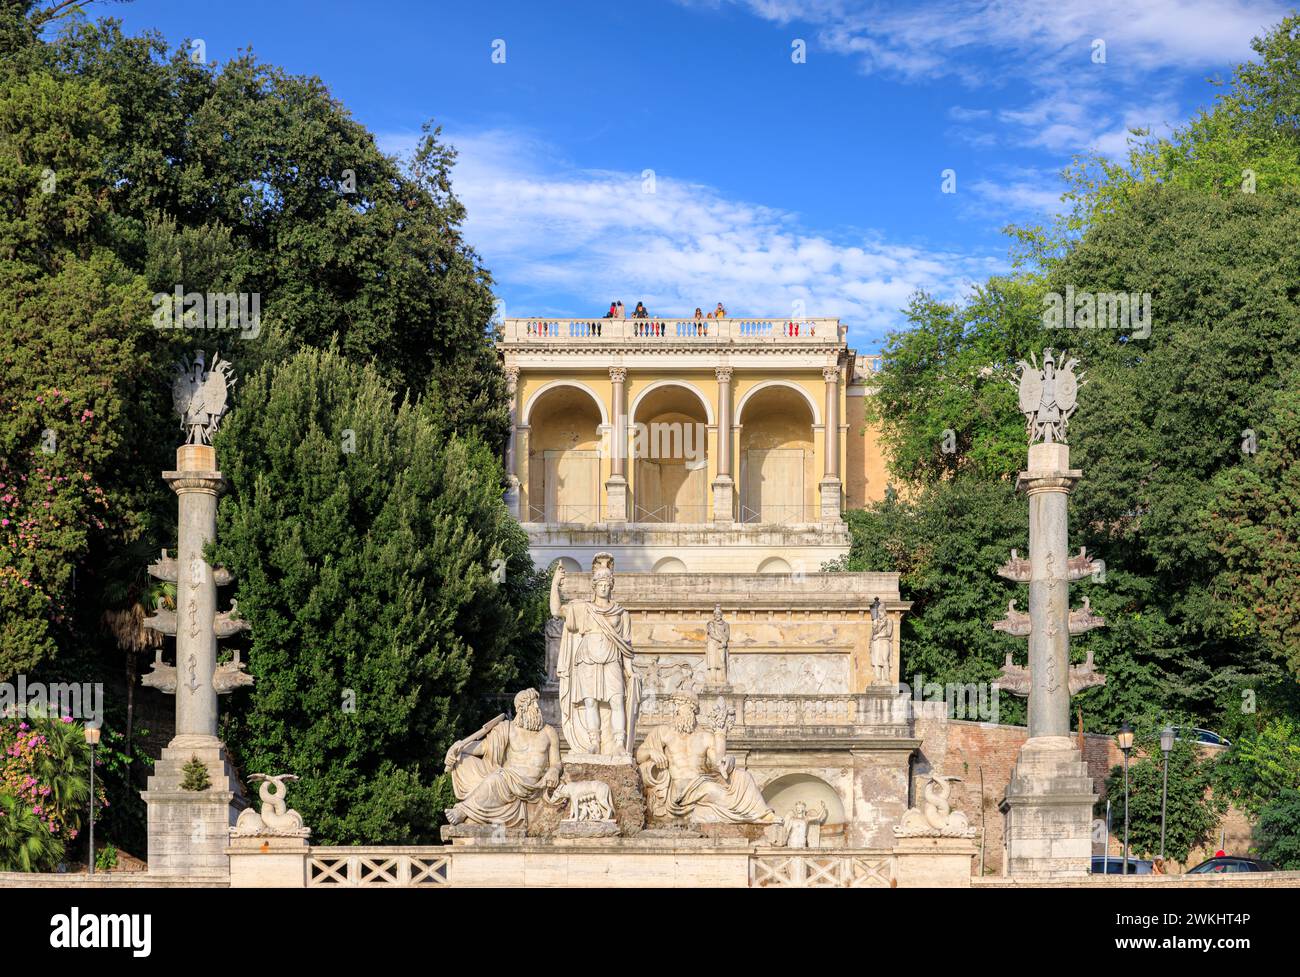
(965, 749)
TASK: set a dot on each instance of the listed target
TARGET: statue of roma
(599, 690)
(688, 773)
(506, 764)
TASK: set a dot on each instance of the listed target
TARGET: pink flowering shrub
(44, 777)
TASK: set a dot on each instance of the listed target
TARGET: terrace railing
(660, 330)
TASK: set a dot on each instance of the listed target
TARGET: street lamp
(1125, 741)
(92, 737)
(1166, 744)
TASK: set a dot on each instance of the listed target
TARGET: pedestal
(268, 863)
(1048, 811)
(616, 499)
(189, 831)
(830, 500)
(724, 505)
(512, 497)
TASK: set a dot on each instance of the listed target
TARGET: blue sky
(773, 182)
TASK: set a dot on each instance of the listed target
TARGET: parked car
(1196, 735)
(1114, 865)
(1231, 863)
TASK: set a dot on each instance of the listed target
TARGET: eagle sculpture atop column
(1048, 396)
(201, 396)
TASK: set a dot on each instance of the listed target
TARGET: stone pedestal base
(724, 506)
(587, 829)
(512, 497)
(830, 500)
(933, 862)
(624, 780)
(616, 499)
(1048, 810)
(268, 863)
(189, 831)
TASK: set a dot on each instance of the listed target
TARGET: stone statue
(802, 828)
(201, 396)
(276, 820)
(589, 800)
(1048, 397)
(599, 691)
(506, 764)
(937, 819)
(688, 773)
(715, 655)
(882, 644)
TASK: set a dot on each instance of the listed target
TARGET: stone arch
(767, 385)
(565, 446)
(704, 401)
(669, 448)
(670, 564)
(782, 793)
(570, 564)
(777, 456)
(541, 392)
(774, 564)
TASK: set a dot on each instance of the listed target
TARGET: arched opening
(570, 564)
(774, 564)
(670, 445)
(564, 457)
(783, 793)
(670, 564)
(777, 481)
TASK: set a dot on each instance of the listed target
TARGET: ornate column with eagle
(1049, 801)
(189, 829)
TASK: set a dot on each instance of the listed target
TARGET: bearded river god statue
(496, 772)
(688, 773)
(599, 691)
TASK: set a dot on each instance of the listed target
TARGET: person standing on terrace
(719, 312)
(699, 323)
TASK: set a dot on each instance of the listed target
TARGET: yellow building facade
(729, 445)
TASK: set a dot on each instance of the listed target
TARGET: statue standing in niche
(715, 654)
(882, 644)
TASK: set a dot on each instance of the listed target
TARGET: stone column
(1048, 484)
(197, 485)
(830, 483)
(724, 485)
(616, 500)
(512, 446)
(188, 831)
(1049, 800)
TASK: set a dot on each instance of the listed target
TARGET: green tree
(950, 372)
(1260, 764)
(1254, 526)
(1277, 833)
(1192, 810)
(366, 540)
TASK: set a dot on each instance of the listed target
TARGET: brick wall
(971, 749)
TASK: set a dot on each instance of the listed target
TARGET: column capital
(512, 378)
(831, 374)
(723, 373)
(618, 373)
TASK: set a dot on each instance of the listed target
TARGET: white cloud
(1045, 49)
(546, 227)
(948, 37)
